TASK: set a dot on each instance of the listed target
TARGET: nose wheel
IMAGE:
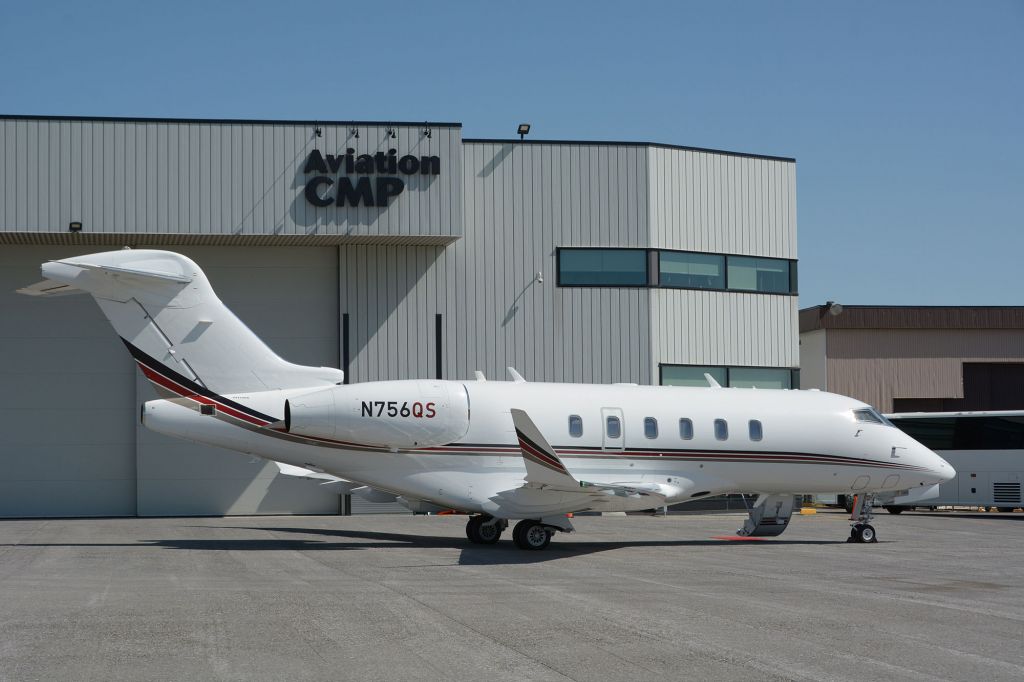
(862, 530)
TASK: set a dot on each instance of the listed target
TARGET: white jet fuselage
(810, 442)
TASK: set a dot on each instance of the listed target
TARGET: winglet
(542, 464)
(479, 375)
(711, 381)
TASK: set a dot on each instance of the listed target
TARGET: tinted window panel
(721, 429)
(685, 429)
(679, 375)
(756, 431)
(691, 270)
(651, 427)
(749, 377)
(614, 428)
(768, 275)
(965, 433)
(575, 426)
(602, 267)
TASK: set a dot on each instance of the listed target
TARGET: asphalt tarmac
(939, 597)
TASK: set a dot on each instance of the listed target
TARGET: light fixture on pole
(524, 130)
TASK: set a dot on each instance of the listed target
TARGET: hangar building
(391, 250)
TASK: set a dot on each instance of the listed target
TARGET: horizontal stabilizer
(49, 288)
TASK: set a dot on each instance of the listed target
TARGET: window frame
(558, 268)
(653, 270)
(650, 421)
(578, 420)
(689, 423)
(760, 430)
(794, 373)
(607, 427)
(722, 435)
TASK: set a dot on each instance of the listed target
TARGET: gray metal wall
(211, 178)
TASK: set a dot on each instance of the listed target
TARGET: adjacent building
(391, 250)
(916, 358)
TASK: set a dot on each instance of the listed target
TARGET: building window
(757, 377)
(691, 270)
(721, 429)
(766, 275)
(687, 375)
(756, 431)
(584, 267)
(575, 426)
(650, 427)
(602, 267)
(686, 429)
(613, 428)
(736, 377)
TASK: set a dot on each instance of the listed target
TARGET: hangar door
(70, 439)
(67, 411)
(289, 297)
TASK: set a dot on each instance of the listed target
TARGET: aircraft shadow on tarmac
(502, 553)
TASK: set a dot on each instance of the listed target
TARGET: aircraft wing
(545, 470)
(299, 472)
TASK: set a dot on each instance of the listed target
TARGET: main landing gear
(532, 534)
(861, 530)
(485, 530)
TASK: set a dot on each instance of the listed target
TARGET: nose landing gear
(861, 530)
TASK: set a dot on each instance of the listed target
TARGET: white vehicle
(499, 450)
(987, 449)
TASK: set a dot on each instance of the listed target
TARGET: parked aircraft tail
(167, 314)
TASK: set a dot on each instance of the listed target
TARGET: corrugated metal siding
(522, 202)
(210, 178)
(701, 201)
(724, 328)
(878, 365)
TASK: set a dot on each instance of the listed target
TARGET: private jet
(499, 451)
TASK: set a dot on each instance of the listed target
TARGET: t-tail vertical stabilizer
(163, 307)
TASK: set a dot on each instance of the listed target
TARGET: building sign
(337, 178)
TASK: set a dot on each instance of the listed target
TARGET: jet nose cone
(942, 469)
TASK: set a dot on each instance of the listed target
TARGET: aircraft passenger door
(613, 429)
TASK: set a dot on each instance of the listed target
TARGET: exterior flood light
(524, 130)
(75, 226)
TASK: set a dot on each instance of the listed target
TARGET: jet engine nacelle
(394, 414)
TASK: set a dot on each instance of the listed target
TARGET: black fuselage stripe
(160, 368)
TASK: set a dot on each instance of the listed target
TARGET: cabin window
(650, 427)
(686, 429)
(575, 425)
(721, 429)
(756, 431)
(614, 428)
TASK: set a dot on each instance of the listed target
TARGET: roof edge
(627, 143)
(224, 121)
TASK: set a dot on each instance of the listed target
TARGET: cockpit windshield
(868, 415)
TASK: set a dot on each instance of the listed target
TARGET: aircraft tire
(479, 534)
(531, 535)
(863, 533)
(893, 509)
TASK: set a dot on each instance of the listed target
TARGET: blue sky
(906, 118)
